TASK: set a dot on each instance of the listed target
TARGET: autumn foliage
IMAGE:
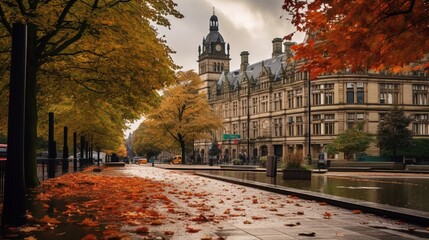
(361, 35)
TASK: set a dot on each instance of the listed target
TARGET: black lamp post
(309, 119)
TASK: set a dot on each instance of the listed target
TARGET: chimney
(288, 50)
(244, 60)
(277, 47)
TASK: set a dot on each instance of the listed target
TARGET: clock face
(218, 47)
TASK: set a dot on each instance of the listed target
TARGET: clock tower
(213, 57)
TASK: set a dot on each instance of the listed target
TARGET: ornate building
(267, 103)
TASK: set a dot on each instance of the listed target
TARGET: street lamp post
(309, 119)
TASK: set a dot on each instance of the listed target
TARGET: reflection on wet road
(400, 190)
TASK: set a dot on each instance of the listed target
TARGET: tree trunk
(30, 164)
(182, 146)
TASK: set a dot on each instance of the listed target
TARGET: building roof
(273, 66)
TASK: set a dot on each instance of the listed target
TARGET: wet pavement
(212, 209)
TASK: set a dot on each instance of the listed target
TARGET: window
(243, 131)
(350, 93)
(353, 118)
(255, 129)
(234, 128)
(420, 95)
(291, 129)
(329, 117)
(278, 127)
(235, 109)
(290, 96)
(389, 93)
(329, 98)
(329, 128)
(299, 126)
(298, 101)
(316, 98)
(254, 105)
(359, 93)
(264, 103)
(420, 124)
(316, 128)
(244, 107)
(355, 93)
(278, 101)
(323, 94)
(226, 110)
(316, 117)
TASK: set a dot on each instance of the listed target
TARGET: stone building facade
(267, 103)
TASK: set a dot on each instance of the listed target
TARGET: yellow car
(176, 159)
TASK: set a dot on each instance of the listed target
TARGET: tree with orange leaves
(361, 35)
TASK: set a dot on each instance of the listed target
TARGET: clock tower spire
(213, 59)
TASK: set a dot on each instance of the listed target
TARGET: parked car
(3, 152)
(141, 161)
(176, 159)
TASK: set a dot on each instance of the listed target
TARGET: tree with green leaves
(352, 141)
(143, 147)
(86, 57)
(183, 115)
(393, 133)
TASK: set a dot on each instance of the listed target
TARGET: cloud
(247, 25)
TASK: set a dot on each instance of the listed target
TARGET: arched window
(221, 67)
(214, 67)
(218, 67)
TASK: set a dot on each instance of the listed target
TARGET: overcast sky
(247, 25)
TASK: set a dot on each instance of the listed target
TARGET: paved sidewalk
(214, 209)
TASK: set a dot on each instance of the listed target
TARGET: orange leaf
(90, 237)
(247, 222)
(142, 230)
(327, 215)
(156, 222)
(200, 218)
(30, 238)
(169, 233)
(357, 211)
(47, 219)
(89, 222)
(192, 230)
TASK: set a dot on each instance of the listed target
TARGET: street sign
(230, 136)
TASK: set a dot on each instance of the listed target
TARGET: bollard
(271, 166)
(65, 167)
(75, 152)
(51, 148)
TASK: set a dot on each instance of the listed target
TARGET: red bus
(3, 152)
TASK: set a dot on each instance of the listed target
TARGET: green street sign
(230, 136)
